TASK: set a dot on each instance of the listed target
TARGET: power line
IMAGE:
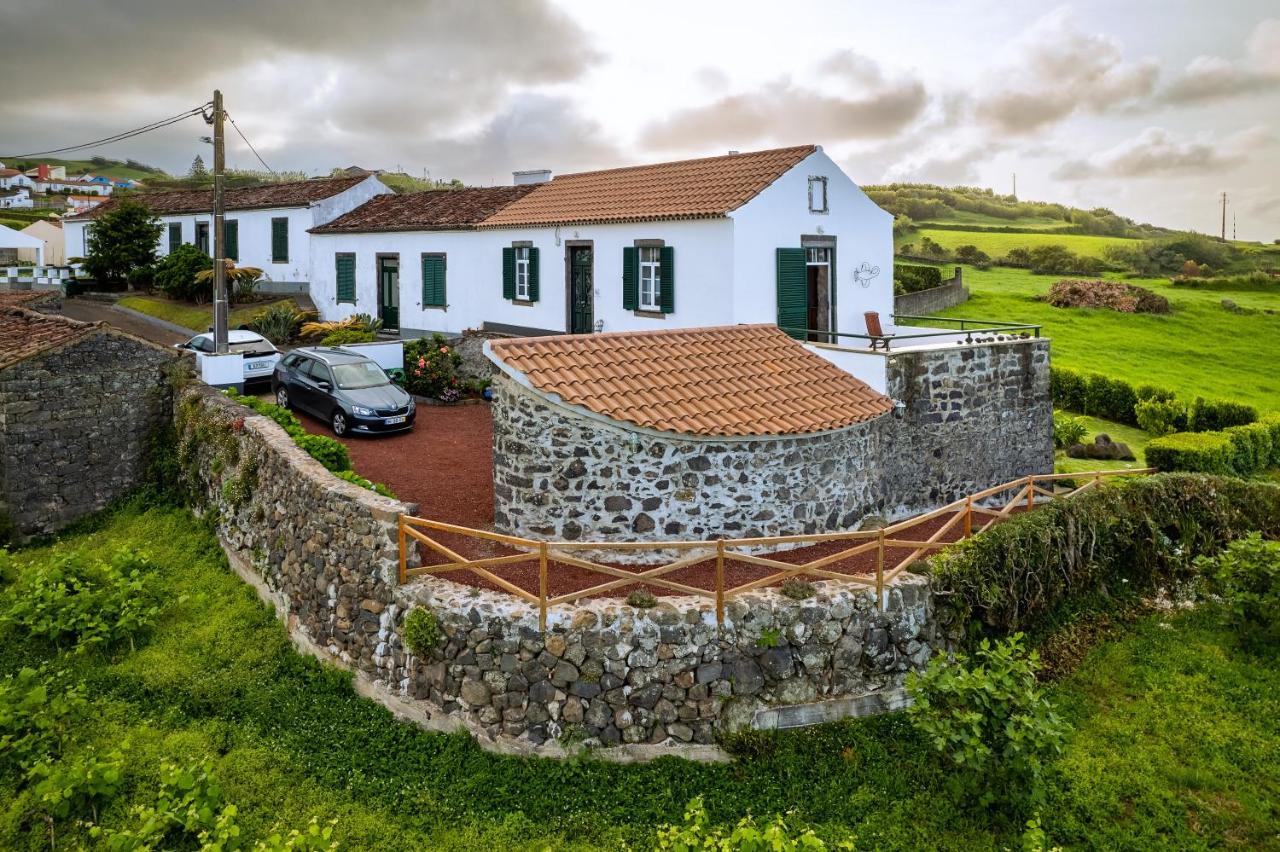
(250, 144)
(118, 137)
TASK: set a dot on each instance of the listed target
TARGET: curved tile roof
(431, 210)
(737, 380)
(298, 193)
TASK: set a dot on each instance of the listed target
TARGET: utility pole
(1015, 186)
(219, 235)
(1224, 215)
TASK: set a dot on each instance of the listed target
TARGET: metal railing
(971, 328)
(971, 515)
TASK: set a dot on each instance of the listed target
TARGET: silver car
(260, 354)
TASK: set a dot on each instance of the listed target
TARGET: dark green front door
(389, 292)
(581, 291)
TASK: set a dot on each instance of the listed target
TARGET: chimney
(42, 171)
(531, 176)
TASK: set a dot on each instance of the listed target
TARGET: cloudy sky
(1150, 107)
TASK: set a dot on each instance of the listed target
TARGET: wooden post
(1031, 492)
(719, 582)
(880, 571)
(542, 586)
(404, 561)
(968, 516)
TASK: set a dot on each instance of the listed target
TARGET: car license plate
(391, 421)
(257, 365)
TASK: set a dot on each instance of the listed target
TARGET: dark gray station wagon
(345, 389)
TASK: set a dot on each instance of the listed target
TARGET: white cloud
(1211, 78)
(1155, 152)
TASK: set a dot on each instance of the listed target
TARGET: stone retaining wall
(971, 417)
(927, 302)
(324, 552)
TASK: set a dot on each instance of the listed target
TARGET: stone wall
(75, 426)
(654, 680)
(470, 346)
(927, 302)
(973, 416)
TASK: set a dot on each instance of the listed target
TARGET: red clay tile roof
(432, 210)
(25, 333)
(18, 298)
(298, 193)
(688, 189)
(721, 381)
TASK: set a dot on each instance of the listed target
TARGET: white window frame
(649, 273)
(522, 273)
(821, 184)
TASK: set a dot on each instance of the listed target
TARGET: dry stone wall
(665, 678)
(971, 417)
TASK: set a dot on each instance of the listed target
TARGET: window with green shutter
(433, 266)
(509, 273)
(629, 298)
(280, 240)
(344, 273)
(175, 236)
(533, 274)
(667, 264)
(793, 292)
(231, 239)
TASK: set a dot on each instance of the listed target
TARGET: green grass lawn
(1032, 223)
(1118, 432)
(1198, 349)
(1176, 742)
(998, 244)
(187, 315)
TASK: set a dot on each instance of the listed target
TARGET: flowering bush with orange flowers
(431, 368)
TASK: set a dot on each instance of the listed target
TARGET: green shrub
(347, 335)
(1246, 576)
(1129, 536)
(38, 710)
(1067, 430)
(1160, 417)
(283, 416)
(356, 479)
(1196, 452)
(82, 599)
(175, 274)
(988, 717)
(1067, 387)
(188, 809)
(329, 452)
(797, 589)
(642, 599)
(748, 835)
(431, 366)
(420, 631)
(280, 323)
(1216, 415)
(911, 278)
(1272, 423)
(1110, 399)
(75, 787)
(1252, 447)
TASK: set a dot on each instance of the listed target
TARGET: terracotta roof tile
(18, 298)
(298, 193)
(432, 210)
(688, 189)
(728, 380)
(25, 333)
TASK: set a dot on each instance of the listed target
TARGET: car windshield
(362, 374)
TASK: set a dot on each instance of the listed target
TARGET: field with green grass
(1174, 742)
(110, 168)
(1136, 439)
(1200, 348)
(968, 217)
(187, 315)
(999, 244)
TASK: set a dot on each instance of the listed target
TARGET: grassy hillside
(126, 170)
(1200, 348)
(1155, 759)
(999, 244)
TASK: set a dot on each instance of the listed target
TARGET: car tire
(282, 398)
(339, 422)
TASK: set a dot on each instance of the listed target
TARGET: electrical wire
(127, 134)
(250, 144)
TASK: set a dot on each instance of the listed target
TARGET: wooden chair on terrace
(875, 332)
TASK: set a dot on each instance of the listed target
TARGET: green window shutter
(630, 299)
(433, 280)
(279, 240)
(793, 292)
(345, 277)
(231, 235)
(533, 275)
(667, 269)
(508, 273)
(175, 236)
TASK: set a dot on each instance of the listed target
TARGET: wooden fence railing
(972, 515)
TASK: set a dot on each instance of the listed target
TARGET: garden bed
(190, 315)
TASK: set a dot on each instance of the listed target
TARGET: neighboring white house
(770, 236)
(266, 226)
(12, 178)
(16, 197)
(72, 185)
(49, 231)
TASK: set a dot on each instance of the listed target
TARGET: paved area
(88, 310)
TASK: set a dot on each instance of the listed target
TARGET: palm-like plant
(242, 279)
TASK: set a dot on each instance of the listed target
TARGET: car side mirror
(324, 386)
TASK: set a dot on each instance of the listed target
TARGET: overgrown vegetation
(431, 368)
(420, 631)
(1114, 295)
(120, 240)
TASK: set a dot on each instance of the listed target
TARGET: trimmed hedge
(1128, 536)
(909, 278)
(1115, 399)
(1238, 450)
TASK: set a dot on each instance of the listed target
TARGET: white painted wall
(869, 367)
(779, 216)
(703, 252)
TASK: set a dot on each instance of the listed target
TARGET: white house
(769, 236)
(266, 226)
(12, 178)
(48, 231)
(17, 197)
